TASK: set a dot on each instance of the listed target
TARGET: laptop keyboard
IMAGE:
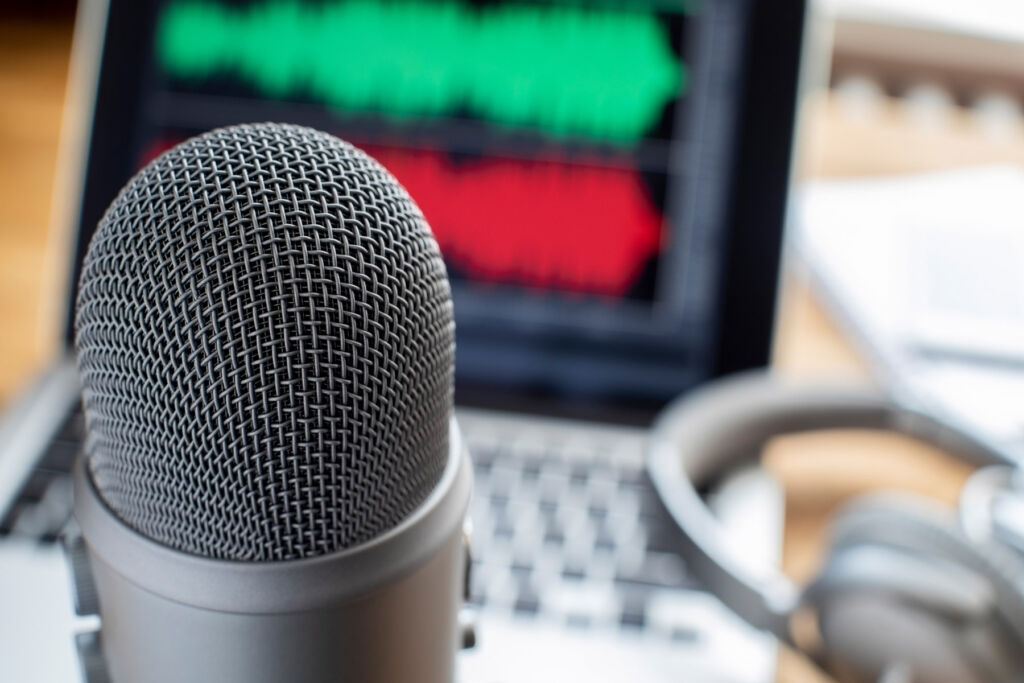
(574, 561)
(43, 505)
(566, 528)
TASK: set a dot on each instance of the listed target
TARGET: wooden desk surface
(817, 471)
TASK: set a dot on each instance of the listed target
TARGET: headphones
(909, 591)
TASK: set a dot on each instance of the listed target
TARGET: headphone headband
(713, 429)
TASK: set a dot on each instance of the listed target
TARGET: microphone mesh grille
(265, 343)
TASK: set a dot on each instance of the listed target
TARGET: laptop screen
(576, 160)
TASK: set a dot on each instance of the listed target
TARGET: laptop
(607, 180)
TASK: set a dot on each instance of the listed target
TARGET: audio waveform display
(540, 224)
(548, 224)
(597, 72)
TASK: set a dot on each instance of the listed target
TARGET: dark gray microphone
(272, 486)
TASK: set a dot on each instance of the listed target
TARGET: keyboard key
(554, 473)
(601, 567)
(597, 600)
(481, 470)
(548, 513)
(527, 603)
(573, 572)
(601, 490)
(503, 529)
(605, 540)
(634, 612)
(579, 474)
(499, 502)
(503, 480)
(629, 537)
(624, 508)
(482, 458)
(631, 478)
(522, 567)
(597, 513)
(531, 469)
(554, 534)
(548, 507)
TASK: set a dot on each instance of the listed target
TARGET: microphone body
(382, 612)
(272, 487)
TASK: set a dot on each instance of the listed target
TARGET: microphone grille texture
(265, 343)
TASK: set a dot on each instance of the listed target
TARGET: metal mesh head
(265, 342)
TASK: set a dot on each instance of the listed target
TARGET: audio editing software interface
(569, 156)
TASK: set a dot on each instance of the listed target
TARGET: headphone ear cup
(902, 584)
(865, 632)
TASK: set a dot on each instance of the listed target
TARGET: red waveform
(545, 224)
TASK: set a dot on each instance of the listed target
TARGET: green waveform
(568, 70)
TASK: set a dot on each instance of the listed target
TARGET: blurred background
(904, 256)
(902, 87)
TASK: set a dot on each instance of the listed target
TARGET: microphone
(272, 486)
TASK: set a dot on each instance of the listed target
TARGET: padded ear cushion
(922, 526)
(921, 529)
(864, 632)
